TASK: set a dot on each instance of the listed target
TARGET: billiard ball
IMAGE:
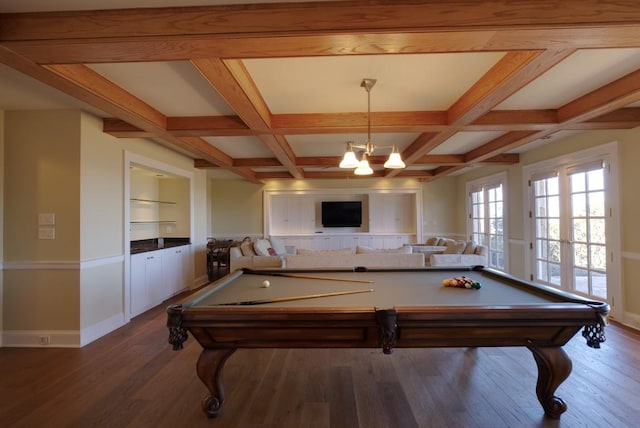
(265, 283)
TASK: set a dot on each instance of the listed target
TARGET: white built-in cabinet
(392, 213)
(391, 218)
(158, 275)
(293, 214)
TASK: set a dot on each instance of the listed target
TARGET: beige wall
(70, 288)
(42, 173)
(237, 206)
(101, 192)
(439, 208)
(42, 170)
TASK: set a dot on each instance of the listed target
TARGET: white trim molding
(62, 265)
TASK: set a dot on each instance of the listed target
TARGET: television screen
(341, 213)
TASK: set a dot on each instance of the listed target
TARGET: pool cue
(295, 275)
(288, 299)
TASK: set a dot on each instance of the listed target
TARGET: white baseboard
(104, 327)
(60, 338)
(630, 320)
(39, 339)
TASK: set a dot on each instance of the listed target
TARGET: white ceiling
(323, 84)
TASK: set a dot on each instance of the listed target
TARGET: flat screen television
(341, 213)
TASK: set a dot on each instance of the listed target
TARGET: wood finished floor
(132, 378)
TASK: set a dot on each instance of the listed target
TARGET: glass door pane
(546, 217)
(588, 238)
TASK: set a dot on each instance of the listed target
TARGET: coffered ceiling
(272, 90)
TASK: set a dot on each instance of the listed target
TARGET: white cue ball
(265, 283)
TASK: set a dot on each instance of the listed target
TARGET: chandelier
(362, 166)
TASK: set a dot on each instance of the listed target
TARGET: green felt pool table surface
(389, 289)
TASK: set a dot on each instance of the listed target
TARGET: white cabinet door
(292, 215)
(139, 299)
(176, 269)
(170, 271)
(155, 284)
(391, 213)
(146, 281)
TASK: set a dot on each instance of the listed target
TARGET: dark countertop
(146, 245)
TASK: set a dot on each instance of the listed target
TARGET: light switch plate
(46, 219)
(47, 233)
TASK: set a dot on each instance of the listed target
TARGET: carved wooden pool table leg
(209, 368)
(554, 366)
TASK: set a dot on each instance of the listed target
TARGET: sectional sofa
(270, 253)
(293, 258)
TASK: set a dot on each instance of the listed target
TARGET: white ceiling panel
(240, 147)
(463, 142)
(332, 84)
(582, 72)
(173, 88)
(21, 92)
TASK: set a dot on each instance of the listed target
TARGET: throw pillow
(278, 246)
(470, 248)
(455, 247)
(432, 241)
(247, 248)
(262, 246)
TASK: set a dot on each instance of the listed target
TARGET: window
(486, 225)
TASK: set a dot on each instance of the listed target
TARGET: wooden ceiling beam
(507, 76)
(508, 120)
(287, 19)
(232, 81)
(615, 95)
(111, 98)
(170, 48)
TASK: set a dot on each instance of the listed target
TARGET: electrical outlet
(45, 340)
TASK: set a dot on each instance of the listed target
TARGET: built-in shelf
(152, 201)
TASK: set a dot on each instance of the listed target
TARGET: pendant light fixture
(362, 167)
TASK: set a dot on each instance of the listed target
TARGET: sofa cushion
(278, 246)
(247, 248)
(455, 247)
(306, 252)
(432, 241)
(268, 262)
(261, 246)
(470, 248)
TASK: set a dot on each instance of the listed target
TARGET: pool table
(384, 309)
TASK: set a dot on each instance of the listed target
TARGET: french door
(487, 224)
(569, 219)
